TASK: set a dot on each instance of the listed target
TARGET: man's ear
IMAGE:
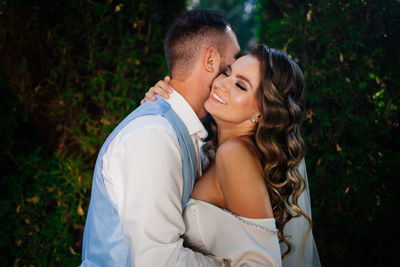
(211, 60)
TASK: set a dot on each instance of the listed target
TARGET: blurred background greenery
(70, 70)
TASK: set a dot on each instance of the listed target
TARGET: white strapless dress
(215, 231)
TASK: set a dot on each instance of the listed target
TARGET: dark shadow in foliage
(39, 222)
(71, 70)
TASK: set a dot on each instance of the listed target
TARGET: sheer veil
(304, 253)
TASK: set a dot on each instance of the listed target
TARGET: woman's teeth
(219, 99)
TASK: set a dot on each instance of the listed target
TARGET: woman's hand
(161, 88)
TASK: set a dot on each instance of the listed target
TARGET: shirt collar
(187, 114)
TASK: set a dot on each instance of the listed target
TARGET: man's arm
(146, 169)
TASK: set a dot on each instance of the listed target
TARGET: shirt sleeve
(146, 170)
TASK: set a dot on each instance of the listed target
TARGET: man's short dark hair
(188, 35)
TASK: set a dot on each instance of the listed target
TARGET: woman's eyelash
(225, 73)
(241, 87)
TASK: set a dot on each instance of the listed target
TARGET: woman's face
(233, 93)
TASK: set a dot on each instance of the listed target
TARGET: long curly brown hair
(277, 136)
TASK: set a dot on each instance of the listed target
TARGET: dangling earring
(253, 120)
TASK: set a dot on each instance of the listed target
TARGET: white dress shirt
(142, 170)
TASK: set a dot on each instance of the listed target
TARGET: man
(135, 213)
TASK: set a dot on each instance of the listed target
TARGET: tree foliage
(70, 71)
(348, 53)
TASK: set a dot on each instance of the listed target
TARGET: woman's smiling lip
(218, 99)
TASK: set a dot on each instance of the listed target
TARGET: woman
(247, 202)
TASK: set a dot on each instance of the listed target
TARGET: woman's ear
(257, 112)
(211, 60)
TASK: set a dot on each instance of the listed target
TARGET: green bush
(348, 51)
(70, 71)
(41, 215)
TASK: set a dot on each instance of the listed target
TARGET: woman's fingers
(167, 79)
(150, 95)
(164, 87)
(161, 88)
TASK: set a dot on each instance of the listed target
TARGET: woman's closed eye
(242, 87)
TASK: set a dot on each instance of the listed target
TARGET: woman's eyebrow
(240, 76)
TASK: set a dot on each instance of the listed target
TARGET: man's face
(231, 50)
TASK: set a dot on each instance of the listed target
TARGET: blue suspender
(189, 164)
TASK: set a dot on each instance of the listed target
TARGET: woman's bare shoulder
(240, 175)
(234, 149)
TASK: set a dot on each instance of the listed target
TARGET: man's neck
(189, 90)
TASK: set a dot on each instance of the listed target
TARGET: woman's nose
(222, 84)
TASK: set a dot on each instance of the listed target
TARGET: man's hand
(161, 88)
